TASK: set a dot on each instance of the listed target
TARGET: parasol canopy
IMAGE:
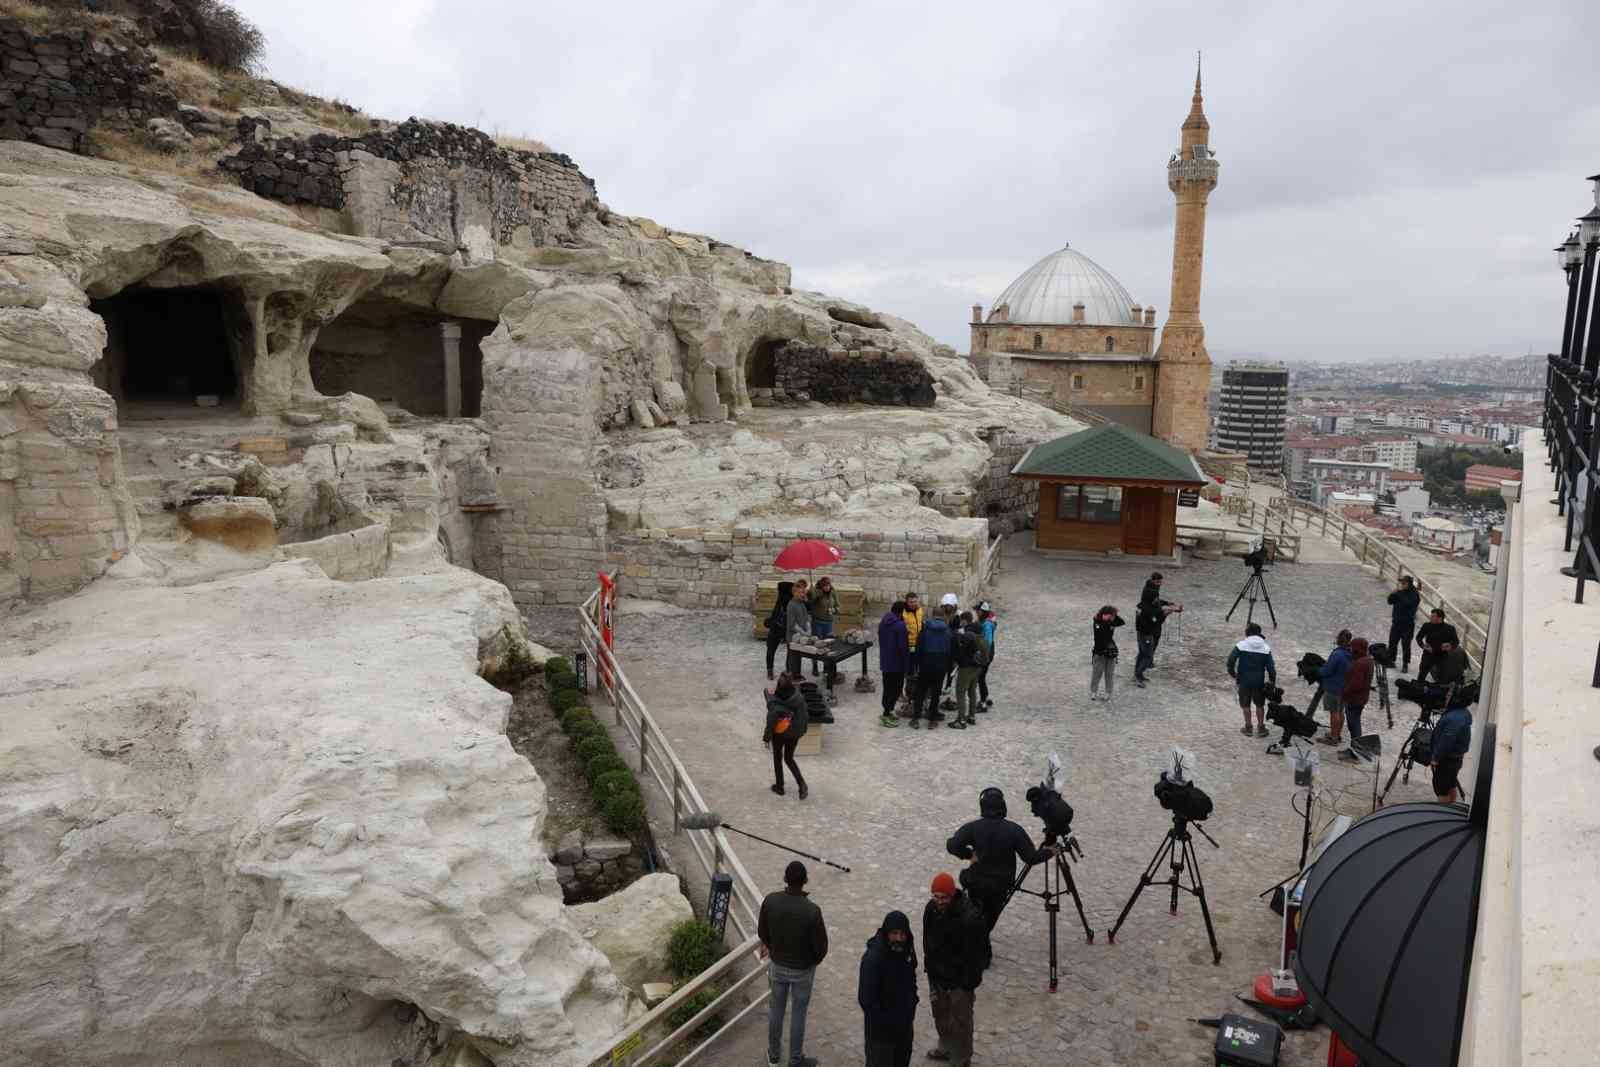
(807, 554)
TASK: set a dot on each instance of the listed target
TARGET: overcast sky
(1394, 174)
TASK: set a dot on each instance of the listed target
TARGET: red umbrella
(807, 555)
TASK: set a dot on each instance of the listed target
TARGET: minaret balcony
(1192, 171)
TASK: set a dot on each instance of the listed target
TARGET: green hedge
(563, 700)
(604, 764)
(574, 716)
(624, 813)
(613, 783)
(692, 947)
(694, 1006)
(584, 729)
(594, 745)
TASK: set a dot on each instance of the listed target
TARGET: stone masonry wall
(1009, 504)
(719, 568)
(857, 375)
(55, 87)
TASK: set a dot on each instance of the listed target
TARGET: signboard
(1188, 498)
(623, 1051)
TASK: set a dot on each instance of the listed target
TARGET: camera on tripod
(1046, 803)
(1310, 668)
(1431, 697)
(1178, 794)
(1382, 655)
(1256, 559)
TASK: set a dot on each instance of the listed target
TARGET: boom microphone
(710, 820)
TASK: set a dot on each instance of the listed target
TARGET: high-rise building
(1251, 411)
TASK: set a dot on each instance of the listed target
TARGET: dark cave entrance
(419, 360)
(171, 347)
(761, 365)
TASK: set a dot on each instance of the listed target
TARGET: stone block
(607, 848)
(570, 848)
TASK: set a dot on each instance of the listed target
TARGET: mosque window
(1111, 344)
(1077, 381)
(1038, 341)
(1138, 382)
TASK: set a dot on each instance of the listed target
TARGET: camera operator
(1449, 664)
(1332, 677)
(1147, 623)
(1434, 633)
(1250, 665)
(1103, 659)
(1403, 603)
(992, 844)
(1451, 739)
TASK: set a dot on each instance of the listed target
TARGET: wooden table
(831, 653)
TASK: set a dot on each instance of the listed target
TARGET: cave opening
(761, 365)
(427, 363)
(171, 349)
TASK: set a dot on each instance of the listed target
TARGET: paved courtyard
(883, 801)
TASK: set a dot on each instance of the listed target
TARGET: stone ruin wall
(719, 568)
(1010, 504)
(55, 87)
(850, 376)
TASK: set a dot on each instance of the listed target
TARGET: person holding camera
(1147, 623)
(1433, 634)
(1332, 676)
(1451, 739)
(1403, 604)
(955, 953)
(1103, 659)
(1449, 666)
(1251, 667)
(991, 844)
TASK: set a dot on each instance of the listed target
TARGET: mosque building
(1068, 327)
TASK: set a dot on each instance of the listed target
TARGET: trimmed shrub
(562, 700)
(566, 683)
(692, 947)
(594, 745)
(584, 729)
(595, 767)
(694, 1006)
(576, 715)
(624, 813)
(558, 665)
(613, 783)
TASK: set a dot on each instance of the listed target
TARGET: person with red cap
(955, 952)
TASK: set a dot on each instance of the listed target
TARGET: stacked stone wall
(55, 87)
(720, 567)
(1010, 504)
(856, 375)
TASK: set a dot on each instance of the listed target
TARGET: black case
(1247, 1042)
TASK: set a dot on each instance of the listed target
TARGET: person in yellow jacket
(914, 619)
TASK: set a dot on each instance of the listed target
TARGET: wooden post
(677, 796)
(1325, 527)
(644, 743)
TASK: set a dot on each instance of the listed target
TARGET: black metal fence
(1571, 432)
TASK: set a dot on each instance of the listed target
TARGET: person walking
(1103, 658)
(1251, 667)
(1332, 676)
(894, 658)
(1432, 635)
(950, 604)
(887, 992)
(787, 722)
(1357, 691)
(1147, 623)
(915, 619)
(1452, 737)
(987, 620)
(991, 844)
(778, 623)
(1403, 604)
(823, 603)
(794, 941)
(971, 656)
(797, 622)
(955, 952)
(933, 662)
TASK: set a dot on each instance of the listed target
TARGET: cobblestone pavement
(883, 801)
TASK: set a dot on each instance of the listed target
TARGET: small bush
(558, 667)
(624, 813)
(604, 764)
(595, 745)
(582, 730)
(563, 683)
(576, 715)
(693, 946)
(613, 783)
(223, 37)
(561, 700)
(694, 1006)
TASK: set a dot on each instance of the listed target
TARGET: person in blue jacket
(887, 992)
(1332, 677)
(894, 658)
(934, 648)
(1250, 665)
(1451, 739)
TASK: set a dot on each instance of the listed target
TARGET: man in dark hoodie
(1332, 675)
(894, 658)
(887, 992)
(1433, 636)
(1147, 622)
(1403, 619)
(955, 952)
(793, 942)
(992, 844)
(934, 646)
(1250, 664)
(1357, 691)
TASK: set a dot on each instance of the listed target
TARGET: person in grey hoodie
(1250, 665)
(798, 621)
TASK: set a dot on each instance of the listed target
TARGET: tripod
(1407, 757)
(1177, 850)
(1253, 585)
(1056, 870)
(1383, 694)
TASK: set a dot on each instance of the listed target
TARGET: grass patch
(518, 143)
(196, 163)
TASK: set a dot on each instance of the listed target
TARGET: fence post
(644, 743)
(1325, 527)
(677, 796)
(1343, 529)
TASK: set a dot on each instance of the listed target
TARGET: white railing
(991, 562)
(711, 847)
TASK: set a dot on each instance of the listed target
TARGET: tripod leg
(1267, 599)
(1199, 890)
(1229, 616)
(1147, 878)
(1051, 906)
(1072, 887)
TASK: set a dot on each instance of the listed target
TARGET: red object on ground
(1263, 992)
(807, 555)
(1339, 1054)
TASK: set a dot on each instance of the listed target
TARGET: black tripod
(1056, 869)
(1383, 694)
(1177, 850)
(1253, 585)
(1408, 757)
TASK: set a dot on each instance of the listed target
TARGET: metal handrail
(1572, 437)
(711, 847)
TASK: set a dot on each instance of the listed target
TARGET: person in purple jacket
(894, 658)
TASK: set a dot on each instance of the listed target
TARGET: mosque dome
(1046, 291)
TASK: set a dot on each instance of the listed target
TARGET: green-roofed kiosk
(1109, 488)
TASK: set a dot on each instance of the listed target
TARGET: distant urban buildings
(1252, 410)
(1481, 477)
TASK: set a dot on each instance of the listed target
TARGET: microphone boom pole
(711, 821)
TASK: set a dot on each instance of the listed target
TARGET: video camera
(1046, 803)
(1431, 697)
(1310, 668)
(1178, 794)
(1257, 559)
(1383, 655)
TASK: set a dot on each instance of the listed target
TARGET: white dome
(1046, 291)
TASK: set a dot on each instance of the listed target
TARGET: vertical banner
(608, 597)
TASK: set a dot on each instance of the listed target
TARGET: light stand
(1177, 850)
(1055, 867)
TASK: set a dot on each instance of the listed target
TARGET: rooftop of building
(1046, 293)
(1485, 470)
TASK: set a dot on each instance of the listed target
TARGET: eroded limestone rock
(632, 927)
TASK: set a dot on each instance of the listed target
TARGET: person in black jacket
(793, 942)
(787, 723)
(1103, 660)
(955, 952)
(1147, 623)
(992, 844)
(1403, 619)
(887, 992)
(1433, 636)
(777, 622)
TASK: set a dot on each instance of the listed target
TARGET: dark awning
(1387, 926)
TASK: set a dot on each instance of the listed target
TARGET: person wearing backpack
(933, 657)
(786, 725)
(972, 655)
(778, 623)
